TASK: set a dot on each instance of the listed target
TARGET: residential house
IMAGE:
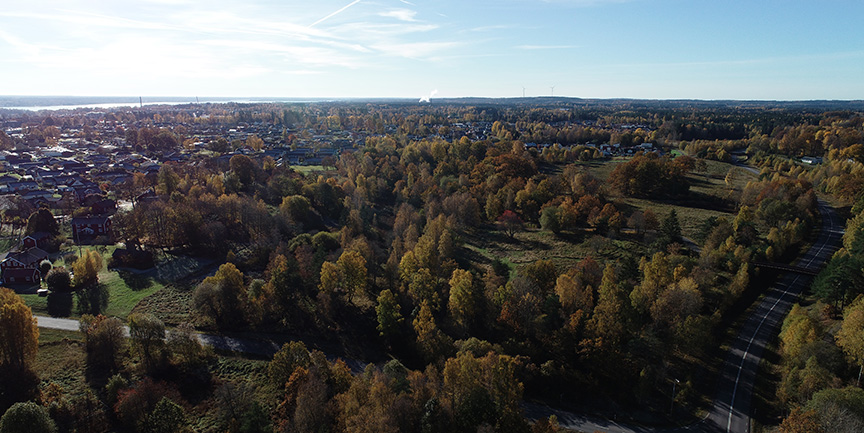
(88, 228)
(22, 266)
(36, 240)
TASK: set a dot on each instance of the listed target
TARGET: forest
(452, 268)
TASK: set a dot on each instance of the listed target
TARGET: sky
(647, 49)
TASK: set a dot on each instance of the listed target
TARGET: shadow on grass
(60, 304)
(92, 299)
(135, 281)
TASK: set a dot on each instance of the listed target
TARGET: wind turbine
(553, 90)
(523, 91)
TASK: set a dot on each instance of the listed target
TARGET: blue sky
(664, 49)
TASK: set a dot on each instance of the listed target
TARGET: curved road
(731, 409)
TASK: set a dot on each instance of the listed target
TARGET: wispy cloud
(545, 47)
(400, 14)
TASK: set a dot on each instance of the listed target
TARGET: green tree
(389, 317)
(147, 335)
(221, 296)
(671, 227)
(42, 221)
(291, 356)
(167, 417)
(244, 168)
(26, 418)
(608, 323)
(104, 339)
(167, 180)
(550, 219)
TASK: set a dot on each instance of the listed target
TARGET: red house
(86, 229)
(36, 240)
(22, 266)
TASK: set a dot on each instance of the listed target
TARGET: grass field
(119, 291)
(307, 169)
(710, 197)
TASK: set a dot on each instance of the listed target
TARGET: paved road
(731, 410)
(249, 346)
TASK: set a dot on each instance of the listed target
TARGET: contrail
(335, 13)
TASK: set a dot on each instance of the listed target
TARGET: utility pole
(675, 383)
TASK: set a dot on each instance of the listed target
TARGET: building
(36, 240)
(86, 229)
(22, 266)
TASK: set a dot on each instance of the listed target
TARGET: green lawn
(307, 169)
(119, 290)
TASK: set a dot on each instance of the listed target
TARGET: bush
(59, 280)
(138, 259)
(25, 418)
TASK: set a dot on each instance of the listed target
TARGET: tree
(550, 219)
(291, 356)
(354, 272)
(19, 334)
(609, 320)
(44, 268)
(87, 268)
(671, 228)
(389, 317)
(167, 180)
(254, 142)
(167, 417)
(25, 418)
(800, 421)
(850, 337)
(104, 339)
(221, 296)
(244, 168)
(510, 223)
(42, 221)
(147, 335)
(462, 300)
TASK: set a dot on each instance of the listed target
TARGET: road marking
(747, 350)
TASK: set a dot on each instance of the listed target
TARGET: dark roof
(92, 219)
(30, 256)
(38, 235)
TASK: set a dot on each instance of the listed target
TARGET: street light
(675, 383)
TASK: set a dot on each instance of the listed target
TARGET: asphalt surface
(730, 412)
(249, 346)
(732, 404)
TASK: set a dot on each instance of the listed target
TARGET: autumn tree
(87, 268)
(19, 334)
(850, 337)
(608, 323)
(221, 296)
(462, 303)
(510, 223)
(19, 342)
